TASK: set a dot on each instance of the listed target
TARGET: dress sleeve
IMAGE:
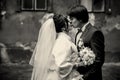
(65, 69)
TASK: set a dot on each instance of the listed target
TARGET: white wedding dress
(62, 64)
(51, 59)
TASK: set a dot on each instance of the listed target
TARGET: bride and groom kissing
(57, 57)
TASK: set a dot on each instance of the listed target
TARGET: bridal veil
(42, 52)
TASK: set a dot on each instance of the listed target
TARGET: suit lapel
(85, 33)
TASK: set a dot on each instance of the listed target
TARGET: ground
(23, 71)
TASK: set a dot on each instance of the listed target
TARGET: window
(34, 4)
(94, 5)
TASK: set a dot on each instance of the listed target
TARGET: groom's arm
(97, 45)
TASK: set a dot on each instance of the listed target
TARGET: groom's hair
(79, 12)
(60, 22)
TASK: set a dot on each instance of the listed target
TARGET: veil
(42, 52)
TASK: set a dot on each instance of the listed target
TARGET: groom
(92, 38)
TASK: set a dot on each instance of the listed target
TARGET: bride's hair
(60, 22)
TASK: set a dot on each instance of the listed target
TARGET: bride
(52, 57)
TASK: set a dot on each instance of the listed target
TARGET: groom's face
(74, 22)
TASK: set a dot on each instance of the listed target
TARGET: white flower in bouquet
(80, 43)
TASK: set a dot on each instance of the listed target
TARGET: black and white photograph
(59, 40)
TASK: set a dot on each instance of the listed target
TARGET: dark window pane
(98, 5)
(41, 4)
(27, 4)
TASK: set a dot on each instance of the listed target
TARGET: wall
(24, 26)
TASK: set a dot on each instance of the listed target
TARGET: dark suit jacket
(94, 39)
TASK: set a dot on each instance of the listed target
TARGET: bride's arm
(62, 59)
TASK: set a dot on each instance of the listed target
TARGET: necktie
(79, 30)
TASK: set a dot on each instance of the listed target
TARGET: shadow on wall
(111, 31)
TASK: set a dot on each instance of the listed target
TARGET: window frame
(34, 6)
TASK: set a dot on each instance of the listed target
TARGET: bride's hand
(81, 77)
(76, 65)
(81, 64)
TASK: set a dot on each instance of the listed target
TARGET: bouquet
(84, 57)
(87, 56)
